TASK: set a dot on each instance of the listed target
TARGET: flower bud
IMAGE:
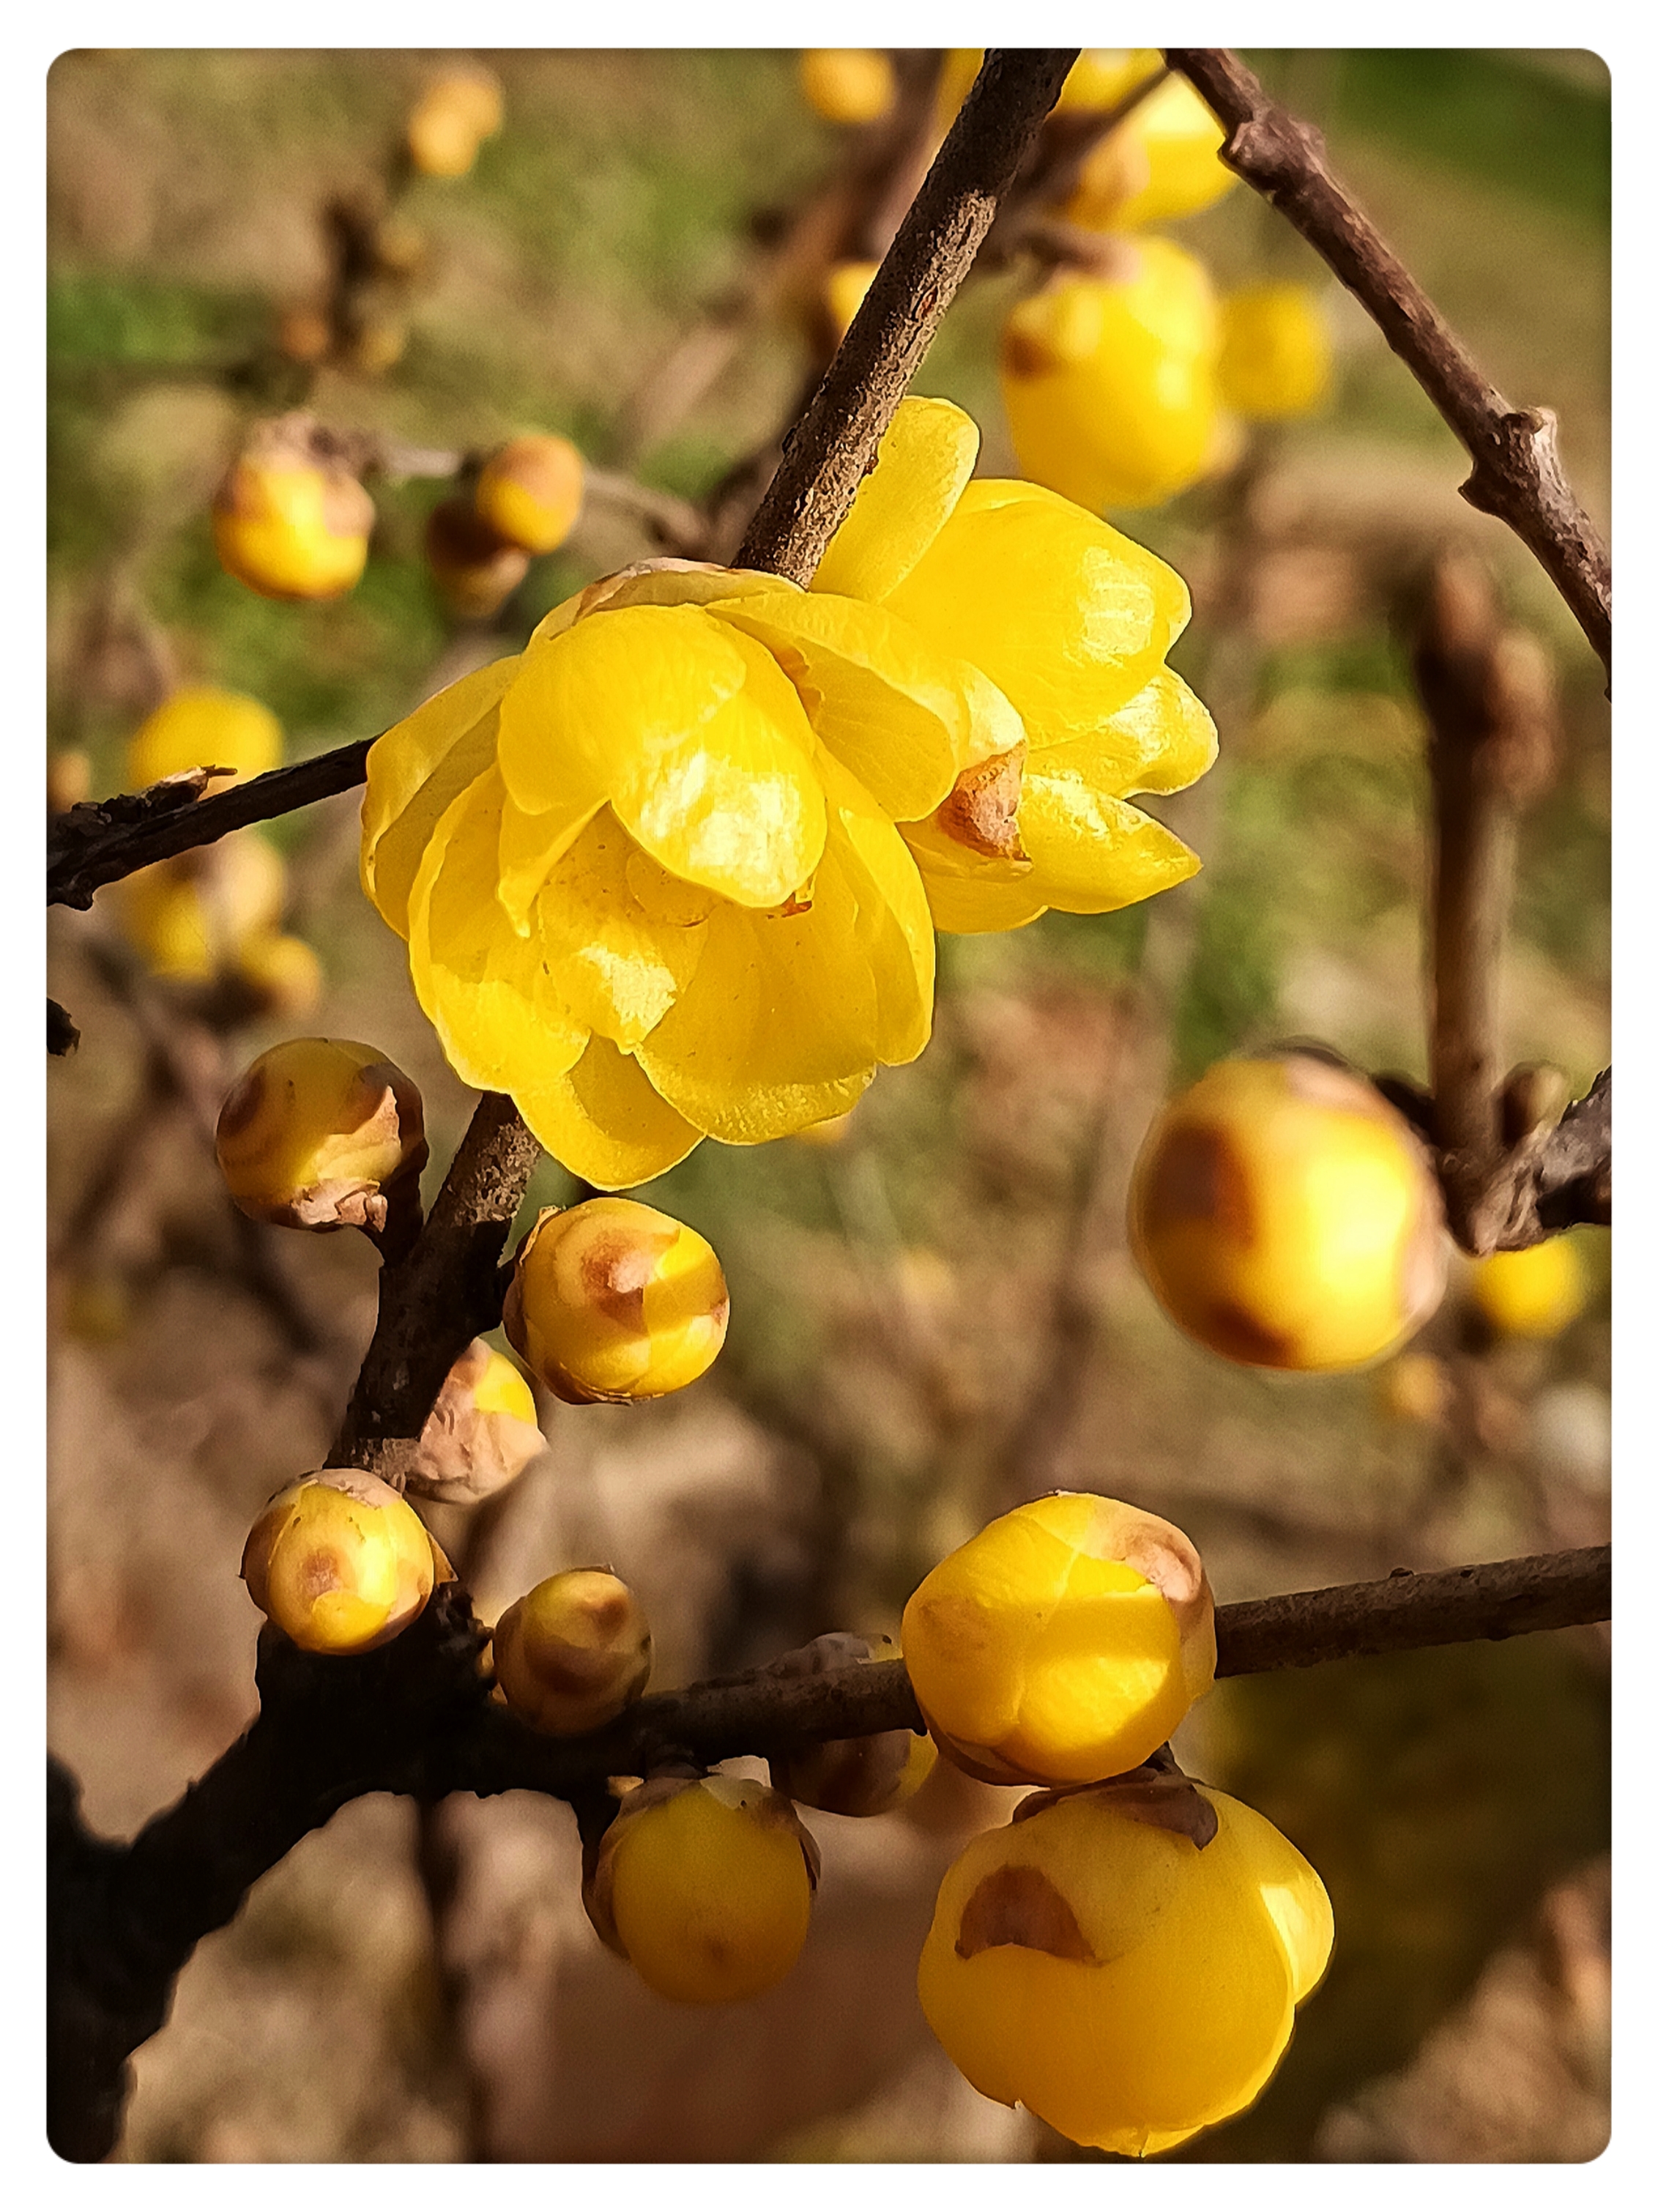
(291, 521)
(1274, 353)
(339, 1562)
(844, 288)
(1538, 1291)
(282, 971)
(1064, 1643)
(858, 1775)
(476, 571)
(1125, 1962)
(1162, 161)
(193, 916)
(611, 1300)
(530, 492)
(321, 1134)
(481, 1434)
(847, 84)
(1285, 1215)
(573, 1652)
(455, 112)
(704, 1887)
(201, 727)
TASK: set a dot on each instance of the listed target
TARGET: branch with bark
(1517, 476)
(414, 1718)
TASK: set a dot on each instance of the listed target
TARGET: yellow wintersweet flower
(662, 874)
(1125, 1961)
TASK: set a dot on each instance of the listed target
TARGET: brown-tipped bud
(482, 1433)
(572, 1652)
(322, 1134)
(474, 569)
(339, 1562)
(611, 1300)
(860, 1774)
(530, 492)
(704, 1887)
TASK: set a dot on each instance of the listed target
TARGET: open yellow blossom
(673, 871)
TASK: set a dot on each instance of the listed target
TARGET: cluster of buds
(525, 500)
(212, 917)
(1286, 1215)
(1125, 1958)
(704, 1885)
(323, 1134)
(290, 520)
(612, 1301)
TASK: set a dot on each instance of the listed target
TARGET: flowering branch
(1517, 476)
(414, 1718)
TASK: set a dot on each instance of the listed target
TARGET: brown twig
(1517, 476)
(832, 447)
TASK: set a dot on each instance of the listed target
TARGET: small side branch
(1517, 476)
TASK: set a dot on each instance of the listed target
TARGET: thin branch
(832, 447)
(1517, 476)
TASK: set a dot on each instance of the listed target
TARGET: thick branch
(1517, 476)
(832, 447)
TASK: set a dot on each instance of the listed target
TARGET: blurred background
(934, 1316)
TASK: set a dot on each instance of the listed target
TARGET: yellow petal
(1162, 740)
(885, 704)
(780, 1024)
(968, 906)
(668, 582)
(616, 969)
(1068, 616)
(921, 469)
(1092, 853)
(530, 846)
(414, 771)
(689, 729)
(602, 1120)
(1296, 1899)
(484, 989)
(895, 927)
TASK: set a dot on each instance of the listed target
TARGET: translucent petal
(531, 846)
(1066, 615)
(617, 970)
(968, 906)
(1092, 853)
(1294, 1898)
(885, 703)
(922, 464)
(780, 1027)
(601, 1119)
(1164, 740)
(414, 772)
(895, 927)
(661, 583)
(485, 990)
(689, 729)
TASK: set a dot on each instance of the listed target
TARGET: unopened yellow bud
(473, 568)
(611, 1300)
(847, 84)
(283, 972)
(530, 492)
(320, 1133)
(573, 1652)
(481, 1434)
(843, 293)
(1274, 352)
(705, 1887)
(858, 1775)
(453, 116)
(194, 917)
(201, 727)
(289, 522)
(1125, 1962)
(1064, 1643)
(339, 1562)
(1534, 1292)
(1285, 1215)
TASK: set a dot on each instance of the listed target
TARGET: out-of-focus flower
(454, 115)
(1126, 1960)
(288, 521)
(201, 727)
(530, 492)
(1274, 351)
(1534, 1292)
(1110, 382)
(1160, 162)
(662, 875)
(847, 84)
(192, 917)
